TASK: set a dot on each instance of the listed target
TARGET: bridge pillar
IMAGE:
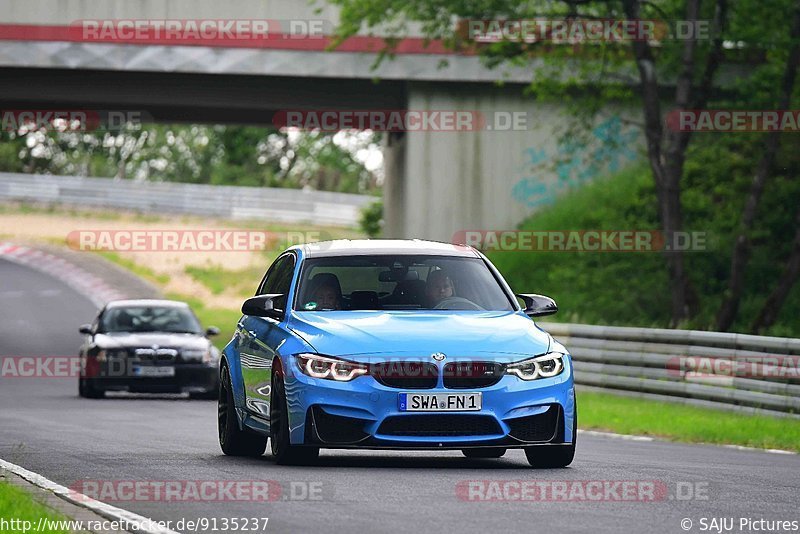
(394, 167)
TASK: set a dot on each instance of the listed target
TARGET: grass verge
(600, 411)
(16, 503)
(139, 270)
(219, 280)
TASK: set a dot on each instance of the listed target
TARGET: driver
(438, 287)
(325, 293)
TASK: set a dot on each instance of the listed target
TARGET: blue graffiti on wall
(574, 163)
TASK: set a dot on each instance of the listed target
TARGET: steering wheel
(456, 303)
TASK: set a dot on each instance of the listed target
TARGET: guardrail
(739, 372)
(230, 202)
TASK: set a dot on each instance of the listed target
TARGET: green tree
(205, 154)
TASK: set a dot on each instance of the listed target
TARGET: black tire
(232, 440)
(212, 394)
(488, 452)
(282, 450)
(554, 456)
(87, 389)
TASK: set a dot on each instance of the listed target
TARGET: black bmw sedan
(148, 346)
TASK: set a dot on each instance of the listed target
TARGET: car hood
(459, 334)
(148, 339)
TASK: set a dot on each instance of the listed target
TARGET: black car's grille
(336, 428)
(439, 425)
(471, 375)
(541, 427)
(154, 355)
(405, 375)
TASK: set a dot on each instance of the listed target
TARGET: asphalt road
(47, 428)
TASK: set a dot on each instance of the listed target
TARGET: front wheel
(87, 390)
(232, 440)
(284, 452)
(212, 394)
(550, 456)
(554, 456)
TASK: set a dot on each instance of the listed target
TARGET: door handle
(252, 333)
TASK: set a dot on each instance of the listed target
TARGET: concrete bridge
(437, 182)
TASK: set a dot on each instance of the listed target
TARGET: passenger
(438, 287)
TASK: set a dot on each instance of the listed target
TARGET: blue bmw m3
(394, 344)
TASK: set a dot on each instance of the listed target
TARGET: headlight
(212, 356)
(544, 366)
(329, 368)
(105, 354)
(196, 355)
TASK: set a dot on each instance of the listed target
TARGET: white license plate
(440, 402)
(154, 371)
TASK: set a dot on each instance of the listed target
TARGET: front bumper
(364, 413)
(188, 378)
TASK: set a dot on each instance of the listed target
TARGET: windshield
(149, 319)
(399, 282)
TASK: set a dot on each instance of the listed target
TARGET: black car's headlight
(196, 355)
(327, 367)
(544, 366)
(106, 354)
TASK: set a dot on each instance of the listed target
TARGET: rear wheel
(488, 452)
(553, 456)
(284, 452)
(232, 440)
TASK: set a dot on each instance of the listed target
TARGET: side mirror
(262, 306)
(85, 329)
(212, 331)
(538, 305)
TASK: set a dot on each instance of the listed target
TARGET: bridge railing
(739, 372)
(229, 202)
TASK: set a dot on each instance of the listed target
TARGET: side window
(279, 279)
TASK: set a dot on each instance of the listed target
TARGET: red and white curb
(84, 282)
(146, 525)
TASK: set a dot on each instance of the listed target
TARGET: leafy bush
(371, 221)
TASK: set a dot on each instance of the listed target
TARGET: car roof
(147, 302)
(365, 247)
